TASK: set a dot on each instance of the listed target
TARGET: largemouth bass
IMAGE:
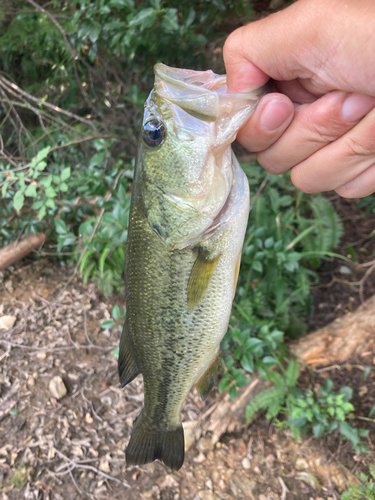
(188, 217)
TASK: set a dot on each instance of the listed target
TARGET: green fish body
(188, 217)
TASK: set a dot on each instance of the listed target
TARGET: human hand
(320, 121)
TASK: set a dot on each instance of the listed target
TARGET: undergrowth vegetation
(74, 75)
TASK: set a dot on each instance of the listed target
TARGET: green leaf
(328, 385)
(63, 187)
(43, 153)
(39, 168)
(107, 324)
(257, 266)
(42, 213)
(65, 174)
(60, 226)
(102, 259)
(50, 192)
(241, 380)
(46, 181)
(247, 363)
(372, 412)
(292, 373)
(50, 203)
(269, 361)
(4, 188)
(233, 392)
(347, 393)
(349, 432)
(224, 383)
(18, 201)
(31, 191)
(318, 430)
(97, 159)
(116, 312)
(14, 411)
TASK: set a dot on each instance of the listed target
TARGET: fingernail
(356, 106)
(275, 113)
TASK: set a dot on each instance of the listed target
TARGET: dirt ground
(73, 447)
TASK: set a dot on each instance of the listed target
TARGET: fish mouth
(203, 94)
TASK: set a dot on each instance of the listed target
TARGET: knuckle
(323, 130)
(347, 191)
(300, 181)
(230, 49)
(270, 164)
(362, 147)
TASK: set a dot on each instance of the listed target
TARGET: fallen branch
(17, 250)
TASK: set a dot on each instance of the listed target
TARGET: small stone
(88, 418)
(205, 444)
(246, 464)
(270, 460)
(156, 492)
(200, 458)
(301, 464)
(104, 466)
(262, 497)
(57, 387)
(207, 495)
(257, 470)
(189, 432)
(168, 482)
(7, 322)
(41, 355)
(362, 391)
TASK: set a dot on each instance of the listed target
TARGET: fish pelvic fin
(147, 445)
(200, 277)
(128, 367)
(208, 379)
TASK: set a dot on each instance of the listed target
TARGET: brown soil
(74, 447)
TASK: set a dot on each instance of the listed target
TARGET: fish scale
(182, 256)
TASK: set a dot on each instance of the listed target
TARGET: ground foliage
(74, 77)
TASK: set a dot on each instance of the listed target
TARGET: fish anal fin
(200, 277)
(128, 367)
(147, 445)
(237, 271)
(207, 380)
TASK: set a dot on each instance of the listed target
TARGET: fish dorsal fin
(200, 277)
(207, 380)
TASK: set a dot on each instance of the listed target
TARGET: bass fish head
(184, 167)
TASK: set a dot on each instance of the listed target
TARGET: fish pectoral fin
(145, 446)
(128, 367)
(208, 379)
(200, 277)
(237, 272)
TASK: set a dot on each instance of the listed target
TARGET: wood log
(335, 343)
(17, 250)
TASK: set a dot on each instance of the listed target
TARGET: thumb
(271, 48)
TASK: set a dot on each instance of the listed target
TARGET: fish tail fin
(146, 445)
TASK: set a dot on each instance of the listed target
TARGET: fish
(187, 221)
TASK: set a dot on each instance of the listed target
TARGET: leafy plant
(322, 411)
(278, 268)
(365, 490)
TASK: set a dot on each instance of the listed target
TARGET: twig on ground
(283, 488)
(93, 469)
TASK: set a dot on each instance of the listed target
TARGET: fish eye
(153, 133)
